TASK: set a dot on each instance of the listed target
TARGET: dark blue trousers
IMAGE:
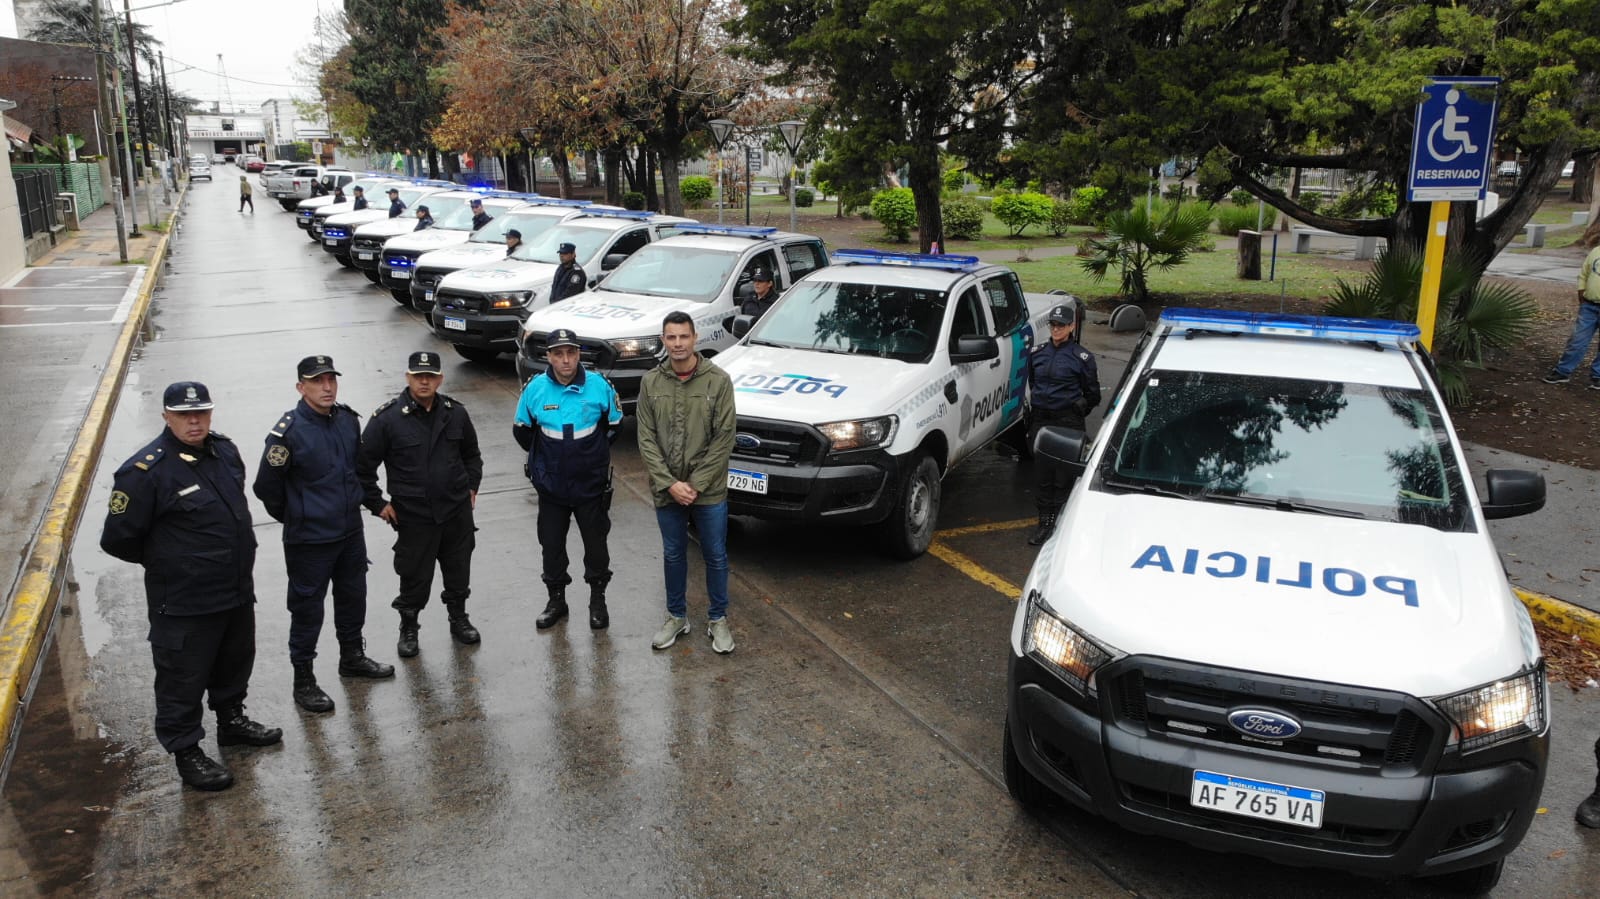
(200, 657)
(312, 567)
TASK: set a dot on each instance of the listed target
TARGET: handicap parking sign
(1454, 140)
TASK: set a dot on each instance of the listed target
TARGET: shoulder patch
(278, 455)
(119, 502)
(1083, 355)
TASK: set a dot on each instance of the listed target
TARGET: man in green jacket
(686, 429)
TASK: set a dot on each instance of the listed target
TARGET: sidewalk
(96, 242)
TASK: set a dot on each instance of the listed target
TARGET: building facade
(229, 135)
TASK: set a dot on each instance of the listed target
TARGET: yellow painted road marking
(989, 528)
(965, 564)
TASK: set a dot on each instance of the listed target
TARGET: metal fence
(36, 194)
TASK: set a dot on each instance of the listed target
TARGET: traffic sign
(756, 157)
(1454, 140)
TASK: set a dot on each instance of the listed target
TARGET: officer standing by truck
(424, 218)
(429, 451)
(360, 201)
(763, 297)
(479, 217)
(307, 480)
(1063, 386)
(570, 278)
(397, 207)
(566, 420)
(178, 508)
(513, 240)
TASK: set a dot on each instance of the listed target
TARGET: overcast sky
(258, 40)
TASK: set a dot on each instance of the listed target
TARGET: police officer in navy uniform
(307, 480)
(566, 420)
(429, 451)
(397, 207)
(479, 217)
(569, 278)
(360, 201)
(1063, 386)
(424, 218)
(763, 297)
(513, 240)
(178, 508)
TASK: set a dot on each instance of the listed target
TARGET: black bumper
(1433, 818)
(335, 246)
(371, 264)
(498, 332)
(395, 278)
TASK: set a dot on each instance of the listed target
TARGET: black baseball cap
(394, 190)
(312, 366)
(423, 362)
(186, 396)
(422, 208)
(512, 232)
(476, 202)
(360, 190)
(1061, 315)
(761, 274)
(561, 337)
(567, 248)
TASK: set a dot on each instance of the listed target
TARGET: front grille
(596, 354)
(1344, 727)
(451, 301)
(306, 215)
(337, 232)
(778, 442)
(428, 277)
(367, 244)
(400, 258)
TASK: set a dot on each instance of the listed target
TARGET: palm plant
(1472, 316)
(1136, 242)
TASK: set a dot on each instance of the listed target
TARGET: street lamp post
(721, 130)
(791, 132)
(530, 135)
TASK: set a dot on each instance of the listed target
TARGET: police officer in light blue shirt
(566, 420)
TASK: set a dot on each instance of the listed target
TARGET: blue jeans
(1582, 336)
(712, 523)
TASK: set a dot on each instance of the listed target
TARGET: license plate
(747, 481)
(363, 255)
(1257, 799)
(399, 274)
(455, 324)
(427, 296)
(330, 241)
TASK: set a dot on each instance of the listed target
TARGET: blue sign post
(1453, 144)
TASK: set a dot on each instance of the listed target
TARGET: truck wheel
(909, 528)
(371, 275)
(401, 296)
(289, 205)
(345, 261)
(314, 238)
(1029, 791)
(478, 354)
(1471, 882)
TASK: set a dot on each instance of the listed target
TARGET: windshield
(588, 242)
(451, 215)
(409, 196)
(531, 227)
(681, 272)
(864, 319)
(1350, 449)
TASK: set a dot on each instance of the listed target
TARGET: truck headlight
(509, 299)
(636, 347)
(858, 433)
(1495, 713)
(1062, 648)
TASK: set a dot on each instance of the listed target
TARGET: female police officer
(1063, 386)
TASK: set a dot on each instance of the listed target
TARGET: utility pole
(164, 108)
(138, 109)
(166, 113)
(104, 113)
(127, 140)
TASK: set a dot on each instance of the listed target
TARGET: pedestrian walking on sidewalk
(1584, 330)
(307, 480)
(686, 429)
(429, 452)
(178, 508)
(245, 198)
(1063, 386)
(567, 419)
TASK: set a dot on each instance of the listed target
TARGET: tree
(394, 47)
(904, 77)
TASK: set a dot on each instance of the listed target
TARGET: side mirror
(1512, 493)
(611, 261)
(742, 325)
(1061, 448)
(973, 348)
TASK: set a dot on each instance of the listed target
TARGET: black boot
(353, 661)
(407, 647)
(460, 625)
(555, 609)
(307, 695)
(599, 618)
(198, 770)
(234, 727)
(1047, 525)
(1589, 809)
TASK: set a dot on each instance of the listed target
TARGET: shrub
(1135, 243)
(1090, 206)
(803, 196)
(954, 180)
(1383, 203)
(963, 218)
(633, 200)
(696, 189)
(1018, 211)
(1233, 219)
(896, 208)
(1242, 197)
(1060, 218)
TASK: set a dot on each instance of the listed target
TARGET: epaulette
(386, 404)
(347, 409)
(221, 436)
(283, 424)
(449, 400)
(152, 455)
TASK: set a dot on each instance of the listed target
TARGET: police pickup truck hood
(459, 256)
(423, 241)
(816, 387)
(1331, 599)
(389, 227)
(502, 274)
(611, 315)
(356, 219)
(319, 202)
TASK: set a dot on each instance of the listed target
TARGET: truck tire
(314, 238)
(909, 528)
(289, 205)
(478, 354)
(401, 296)
(371, 275)
(1471, 882)
(346, 261)
(1027, 790)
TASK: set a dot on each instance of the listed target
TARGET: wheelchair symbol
(1453, 133)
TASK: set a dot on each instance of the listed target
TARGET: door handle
(995, 363)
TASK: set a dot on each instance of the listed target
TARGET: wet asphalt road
(850, 746)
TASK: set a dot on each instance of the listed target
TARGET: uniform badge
(1084, 356)
(278, 455)
(119, 502)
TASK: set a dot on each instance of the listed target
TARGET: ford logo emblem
(746, 441)
(1264, 724)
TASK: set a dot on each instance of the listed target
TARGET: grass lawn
(1204, 273)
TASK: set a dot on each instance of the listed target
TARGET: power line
(237, 78)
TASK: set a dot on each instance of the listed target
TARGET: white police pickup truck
(487, 244)
(704, 270)
(1271, 620)
(338, 229)
(398, 248)
(311, 214)
(872, 378)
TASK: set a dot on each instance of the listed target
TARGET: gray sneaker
(674, 628)
(721, 635)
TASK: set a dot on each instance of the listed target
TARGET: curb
(1561, 615)
(31, 612)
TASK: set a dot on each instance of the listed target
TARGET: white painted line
(130, 295)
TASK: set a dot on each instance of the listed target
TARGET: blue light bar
(943, 261)
(727, 230)
(537, 200)
(1321, 327)
(635, 214)
(336, 232)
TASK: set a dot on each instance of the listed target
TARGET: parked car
(254, 164)
(217, 159)
(199, 169)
